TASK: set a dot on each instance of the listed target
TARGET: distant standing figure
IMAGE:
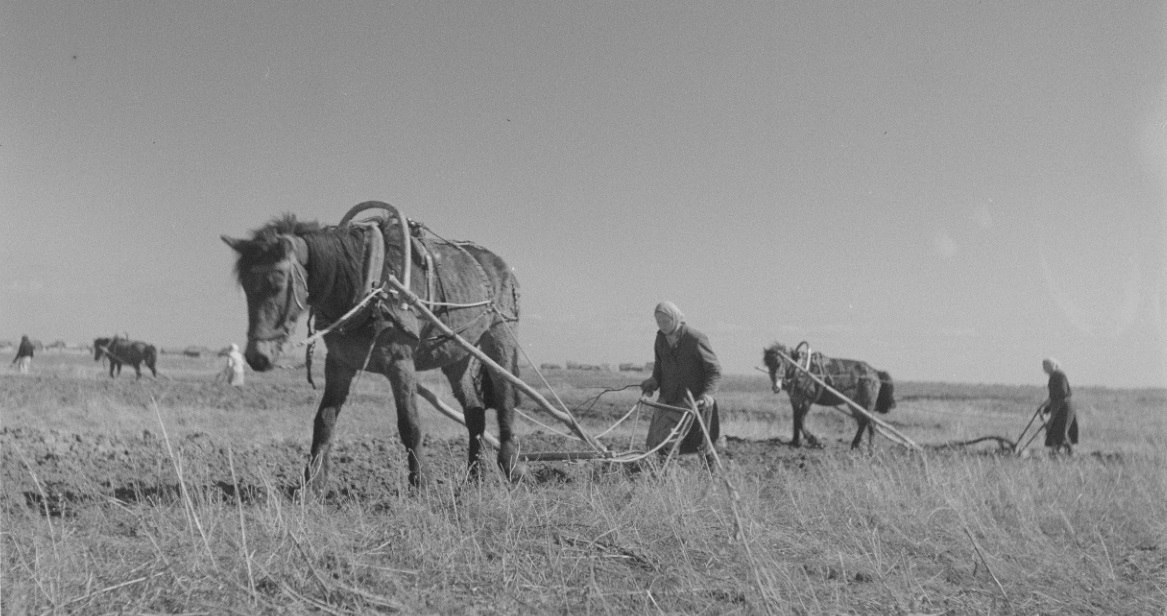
(233, 371)
(1062, 430)
(23, 355)
(684, 360)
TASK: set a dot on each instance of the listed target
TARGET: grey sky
(950, 191)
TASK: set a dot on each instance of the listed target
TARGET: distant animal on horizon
(123, 351)
(869, 388)
(289, 266)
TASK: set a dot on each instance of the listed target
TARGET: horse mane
(266, 238)
(284, 224)
(772, 350)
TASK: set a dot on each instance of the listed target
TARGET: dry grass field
(176, 495)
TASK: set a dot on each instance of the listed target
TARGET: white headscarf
(675, 316)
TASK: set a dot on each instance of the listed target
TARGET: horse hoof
(418, 482)
(519, 472)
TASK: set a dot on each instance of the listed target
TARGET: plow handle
(1022, 435)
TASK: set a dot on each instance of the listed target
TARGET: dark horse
(288, 265)
(123, 351)
(870, 388)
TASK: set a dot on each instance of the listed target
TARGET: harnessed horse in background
(870, 388)
(124, 351)
(288, 266)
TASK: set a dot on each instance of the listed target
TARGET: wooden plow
(597, 450)
(1015, 447)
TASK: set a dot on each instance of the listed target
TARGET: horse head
(776, 365)
(271, 270)
(99, 347)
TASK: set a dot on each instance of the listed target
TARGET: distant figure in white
(23, 355)
(233, 372)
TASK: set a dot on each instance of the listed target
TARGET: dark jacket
(24, 350)
(691, 365)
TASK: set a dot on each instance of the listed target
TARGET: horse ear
(235, 244)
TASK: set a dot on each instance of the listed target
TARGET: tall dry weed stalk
(188, 504)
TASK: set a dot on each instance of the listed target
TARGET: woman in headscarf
(683, 361)
(1062, 430)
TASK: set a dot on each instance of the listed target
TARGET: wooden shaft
(664, 407)
(565, 417)
(878, 422)
(730, 489)
(562, 456)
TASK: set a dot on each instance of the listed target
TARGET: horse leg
(864, 423)
(865, 397)
(800, 410)
(500, 395)
(461, 381)
(337, 381)
(403, 377)
(800, 413)
(138, 370)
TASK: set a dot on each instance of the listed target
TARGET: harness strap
(427, 256)
(460, 246)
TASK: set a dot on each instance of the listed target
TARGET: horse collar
(374, 258)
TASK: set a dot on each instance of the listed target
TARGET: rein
(344, 319)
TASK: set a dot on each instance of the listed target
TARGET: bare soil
(60, 472)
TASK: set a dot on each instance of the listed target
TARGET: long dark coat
(691, 364)
(1062, 428)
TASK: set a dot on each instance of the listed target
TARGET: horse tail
(886, 400)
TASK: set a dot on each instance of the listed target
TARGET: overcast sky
(951, 191)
